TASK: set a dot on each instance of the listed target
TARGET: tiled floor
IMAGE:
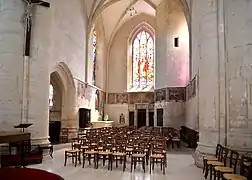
(180, 167)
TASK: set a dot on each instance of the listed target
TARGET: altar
(100, 124)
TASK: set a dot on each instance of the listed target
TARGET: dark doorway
(151, 119)
(160, 113)
(54, 131)
(141, 118)
(131, 118)
(84, 117)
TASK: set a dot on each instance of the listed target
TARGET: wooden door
(160, 113)
(151, 119)
(84, 117)
(141, 118)
(131, 118)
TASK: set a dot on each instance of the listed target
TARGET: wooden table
(13, 137)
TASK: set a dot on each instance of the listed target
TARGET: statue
(122, 119)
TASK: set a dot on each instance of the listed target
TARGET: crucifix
(30, 5)
(27, 20)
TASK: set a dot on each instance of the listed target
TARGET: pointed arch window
(143, 60)
(51, 96)
(94, 46)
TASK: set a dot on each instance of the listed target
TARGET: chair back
(233, 159)
(246, 166)
(224, 154)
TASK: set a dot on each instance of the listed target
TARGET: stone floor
(180, 167)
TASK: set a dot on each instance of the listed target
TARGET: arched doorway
(55, 107)
(62, 113)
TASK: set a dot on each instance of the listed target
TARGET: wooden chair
(64, 133)
(220, 170)
(245, 170)
(211, 164)
(90, 153)
(74, 154)
(212, 158)
(157, 156)
(138, 156)
(119, 155)
(104, 154)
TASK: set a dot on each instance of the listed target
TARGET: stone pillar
(205, 15)
(11, 63)
(147, 116)
(135, 116)
(238, 53)
(225, 103)
(40, 76)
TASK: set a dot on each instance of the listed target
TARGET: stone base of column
(35, 141)
(202, 150)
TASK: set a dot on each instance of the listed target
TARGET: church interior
(126, 89)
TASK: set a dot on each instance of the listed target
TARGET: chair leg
(163, 166)
(76, 159)
(204, 165)
(144, 164)
(206, 171)
(211, 171)
(83, 161)
(214, 174)
(150, 164)
(79, 157)
(218, 175)
(131, 164)
(65, 159)
(124, 163)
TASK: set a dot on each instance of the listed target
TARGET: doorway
(151, 119)
(84, 117)
(55, 107)
(141, 118)
(131, 118)
(160, 113)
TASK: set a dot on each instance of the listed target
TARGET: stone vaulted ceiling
(114, 12)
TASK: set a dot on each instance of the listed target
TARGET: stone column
(205, 29)
(238, 53)
(147, 116)
(11, 63)
(135, 116)
(40, 76)
(225, 113)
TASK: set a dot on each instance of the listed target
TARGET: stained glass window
(143, 60)
(51, 96)
(94, 40)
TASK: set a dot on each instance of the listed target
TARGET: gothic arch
(64, 75)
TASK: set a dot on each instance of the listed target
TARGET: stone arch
(68, 110)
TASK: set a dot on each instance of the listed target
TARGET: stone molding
(131, 98)
(191, 89)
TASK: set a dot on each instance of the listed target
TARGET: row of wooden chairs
(224, 165)
(113, 145)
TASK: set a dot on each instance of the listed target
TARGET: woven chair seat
(91, 152)
(104, 153)
(157, 156)
(224, 169)
(138, 155)
(234, 177)
(72, 151)
(119, 154)
(215, 163)
(210, 158)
